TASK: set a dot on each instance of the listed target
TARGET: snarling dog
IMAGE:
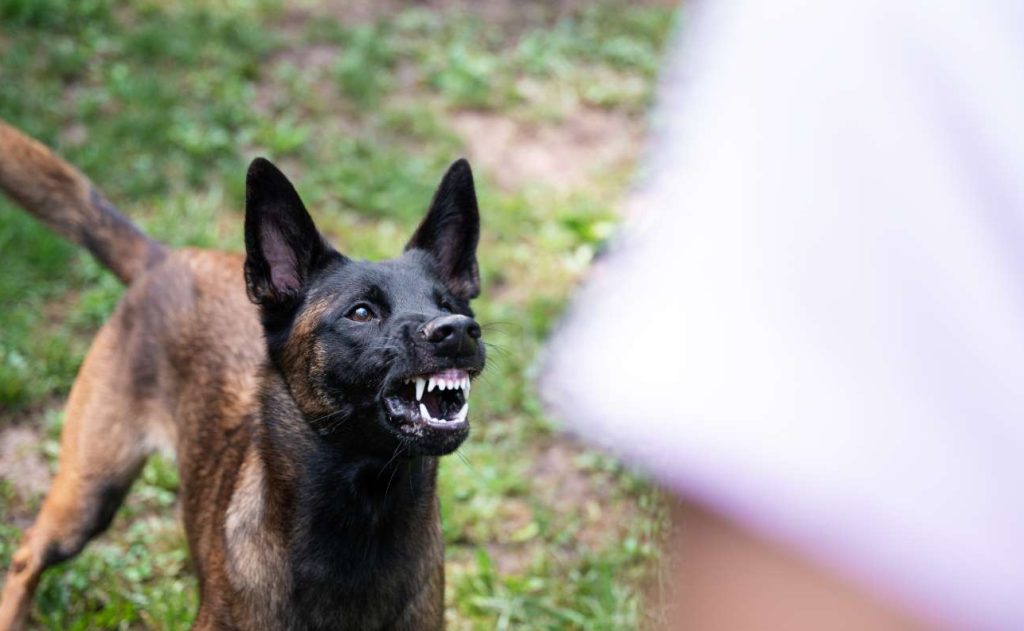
(308, 396)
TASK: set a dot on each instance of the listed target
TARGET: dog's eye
(360, 313)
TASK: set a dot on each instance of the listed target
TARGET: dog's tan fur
(67, 202)
(181, 361)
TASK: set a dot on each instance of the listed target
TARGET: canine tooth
(461, 416)
(421, 383)
(425, 413)
(469, 386)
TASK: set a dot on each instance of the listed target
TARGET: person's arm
(724, 578)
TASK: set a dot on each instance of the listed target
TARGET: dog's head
(375, 354)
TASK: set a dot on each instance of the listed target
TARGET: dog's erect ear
(451, 230)
(282, 244)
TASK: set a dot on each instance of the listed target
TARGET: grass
(163, 104)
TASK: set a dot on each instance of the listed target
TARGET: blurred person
(814, 330)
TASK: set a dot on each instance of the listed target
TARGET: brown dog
(307, 396)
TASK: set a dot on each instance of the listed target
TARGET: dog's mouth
(437, 400)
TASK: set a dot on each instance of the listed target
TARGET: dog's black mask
(375, 354)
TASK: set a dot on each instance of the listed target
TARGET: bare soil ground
(564, 155)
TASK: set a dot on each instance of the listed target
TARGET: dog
(308, 397)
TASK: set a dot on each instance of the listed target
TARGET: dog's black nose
(452, 334)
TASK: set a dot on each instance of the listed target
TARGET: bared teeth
(442, 382)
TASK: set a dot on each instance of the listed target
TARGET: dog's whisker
(465, 460)
(393, 456)
(487, 326)
(392, 478)
(484, 377)
(326, 416)
(336, 424)
(331, 426)
(504, 352)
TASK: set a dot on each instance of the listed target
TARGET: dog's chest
(384, 591)
(342, 561)
(353, 583)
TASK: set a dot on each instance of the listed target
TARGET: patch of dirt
(55, 311)
(24, 467)
(582, 496)
(563, 483)
(564, 156)
(315, 62)
(348, 12)
(312, 57)
(512, 558)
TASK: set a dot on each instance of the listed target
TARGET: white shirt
(818, 327)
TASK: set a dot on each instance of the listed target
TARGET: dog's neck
(345, 525)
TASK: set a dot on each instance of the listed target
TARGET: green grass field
(363, 104)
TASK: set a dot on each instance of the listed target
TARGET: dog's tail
(65, 200)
